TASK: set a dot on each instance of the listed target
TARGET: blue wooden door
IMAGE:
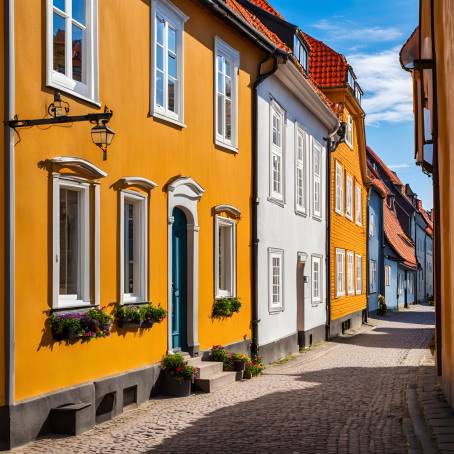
(179, 281)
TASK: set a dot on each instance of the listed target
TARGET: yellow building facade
(90, 232)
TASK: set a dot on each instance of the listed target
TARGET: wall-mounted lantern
(337, 138)
(58, 110)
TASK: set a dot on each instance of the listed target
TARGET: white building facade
(293, 124)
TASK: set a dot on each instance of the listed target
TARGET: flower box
(138, 316)
(225, 308)
(173, 386)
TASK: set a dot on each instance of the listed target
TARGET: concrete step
(215, 382)
(205, 369)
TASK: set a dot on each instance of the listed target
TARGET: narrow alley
(343, 396)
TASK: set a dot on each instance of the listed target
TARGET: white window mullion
(85, 243)
(56, 241)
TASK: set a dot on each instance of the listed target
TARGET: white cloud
(344, 30)
(404, 165)
(387, 87)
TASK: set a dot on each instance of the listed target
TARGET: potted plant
(225, 307)
(221, 355)
(253, 368)
(177, 376)
(80, 325)
(239, 362)
(134, 316)
(382, 307)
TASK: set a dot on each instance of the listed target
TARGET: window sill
(275, 311)
(358, 224)
(281, 203)
(166, 119)
(301, 213)
(340, 295)
(134, 303)
(75, 308)
(73, 93)
(317, 218)
(340, 213)
(226, 147)
(350, 218)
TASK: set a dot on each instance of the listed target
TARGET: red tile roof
(397, 238)
(425, 215)
(267, 7)
(389, 173)
(326, 67)
(376, 181)
(255, 22)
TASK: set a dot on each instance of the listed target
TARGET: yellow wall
(142, 147)
(2, 223)
(346, 234)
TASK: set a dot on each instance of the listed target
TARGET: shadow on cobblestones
(424, 316)
(351, 409)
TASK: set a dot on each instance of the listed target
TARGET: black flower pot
(174, 387)
(239, 365)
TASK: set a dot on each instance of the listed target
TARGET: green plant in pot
(382, 307)
(239, 361)
(143, 316)
(225, 307)
(253, 368)
(221, 355)
(177, 376)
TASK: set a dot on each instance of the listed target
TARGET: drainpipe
(255, 199)
(9, 201)
(327, 240)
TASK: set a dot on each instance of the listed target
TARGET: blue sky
(370, 34)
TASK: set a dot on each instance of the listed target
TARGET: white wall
(280, 227)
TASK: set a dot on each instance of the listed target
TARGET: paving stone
(347, 396)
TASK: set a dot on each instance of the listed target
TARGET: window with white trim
(358, 204)
(349, 197)
(316, 279)
(300, 173)
(371, 224)
(350, 273)
(72, 47)
(359, 274)
(317, 179)
(167, 62)
(275, 279)
(300, 51)
(339, 189)
(340, 272)
(71, 243)
(225, 257)
(277, 152)
(372, 276)
(134, 247)
(227, 63)
(387, 275)
(349, 131)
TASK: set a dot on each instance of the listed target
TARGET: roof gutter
(9, 89)
(255, 198)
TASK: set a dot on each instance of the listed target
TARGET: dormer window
(300, 51)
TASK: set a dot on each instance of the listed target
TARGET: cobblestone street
(346, 396)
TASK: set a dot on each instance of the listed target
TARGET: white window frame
(350, 273)
(278, 151)
(349, 131)
(88, 91)
(339, 188)
(223, 221)
(349, 197)
(233, 56)
(372, 276)
(372, 228)
(300, 165)
(275, 253)
(388, 272)
(340, 272)
(317, 259)
(141, 249)
(317, 180)
(85, 244)
(359, 275)
(358, 206)
(174, 16)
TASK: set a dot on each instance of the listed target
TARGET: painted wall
(279, 226)
(347, 234)
(429, 267)
(391, 290)
(411, 286)
(375, 249)
(420, 247)
(143, 147)
(2, 219)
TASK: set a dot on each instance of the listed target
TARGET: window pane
(228, 119)
(171, 95)
(228, 68)
(276, 174)
(60, 4)
(79, 11)
(160, 25)
(220, 114)
(172, 40)
(220, 83)
(228, 87)
(129, 241)
(172, 68)
(160, 88)
(69, 242)
(77, 53)
(160, 57)
(225, 258)
(59, 44)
